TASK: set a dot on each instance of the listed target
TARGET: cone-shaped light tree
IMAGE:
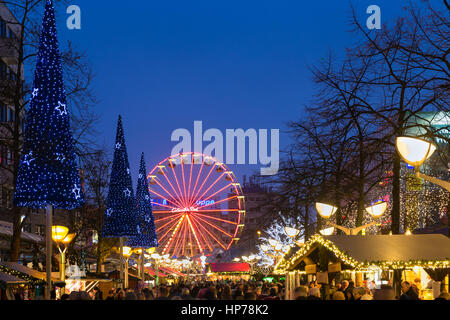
(120, 219)
(146, 228)
(48, 174)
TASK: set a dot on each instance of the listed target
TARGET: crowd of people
(253, 290)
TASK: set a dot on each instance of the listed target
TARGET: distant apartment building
(256, 212)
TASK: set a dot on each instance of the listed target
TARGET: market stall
(385, 259)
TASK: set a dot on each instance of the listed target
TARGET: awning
(152, 272)
(172, 271)
(230, 267)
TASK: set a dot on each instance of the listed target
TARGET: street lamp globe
(278, 247)
(291, 232)
(68, 239)
(414, 151)
(127, 252)
(155, 256)
(265, 248)
(273, 242)
(377, 210)
(59, 233)
(325, 210)
(327, 231)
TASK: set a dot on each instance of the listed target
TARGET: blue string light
(120, 219)
(48, 172)
(147, 235)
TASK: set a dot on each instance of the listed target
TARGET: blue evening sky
(232, 64)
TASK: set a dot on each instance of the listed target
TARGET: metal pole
(126, 273)
(142, 265)
(121, 262)
(62, 266)
(157, 272)
(48, 247)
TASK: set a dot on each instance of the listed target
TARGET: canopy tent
(152, 272)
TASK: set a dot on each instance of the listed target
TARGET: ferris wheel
(198, 204)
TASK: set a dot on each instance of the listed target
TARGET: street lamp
(127, 252)
(376, 210)
(327, 231)
(60, 234)
(415, 151)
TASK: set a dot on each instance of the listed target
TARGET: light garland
(22, 275)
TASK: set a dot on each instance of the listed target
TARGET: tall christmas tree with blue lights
(48, 173)
(120, 219)
(146, 228)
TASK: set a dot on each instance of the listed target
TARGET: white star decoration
(61, 157)
(28, 158)
(76, 191)
(109, 212)
(35, 92)
(140, 175)
(118, 145)
(127, 192)
(147, 197)
(61, 108)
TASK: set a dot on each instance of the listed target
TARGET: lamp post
(376, 211)
(415, 151)
(127, 252)
(60, 235)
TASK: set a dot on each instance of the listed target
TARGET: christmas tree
(120, 219)
(146, 228)
(48, 173)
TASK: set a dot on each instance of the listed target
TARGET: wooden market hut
(327, 257)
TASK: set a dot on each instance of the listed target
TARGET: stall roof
(393, 251)
(230, 267)
(9, 279)
(428, 247)
(152, 272)
(31, 272)
(6, 229)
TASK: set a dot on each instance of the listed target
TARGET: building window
(40, 229)
(12, 115)
(3, 154)
(27, 227)
(3, 112)
(2, 28)
(3, 70)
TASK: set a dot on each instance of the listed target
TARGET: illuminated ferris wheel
(198, 204)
